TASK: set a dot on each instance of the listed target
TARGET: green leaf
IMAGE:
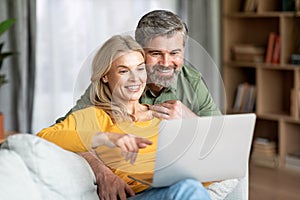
(2, 79)
(6, 24)
(4, 55)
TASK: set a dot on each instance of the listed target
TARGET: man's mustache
(162, 67)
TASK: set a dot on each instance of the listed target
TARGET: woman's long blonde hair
(100, 94)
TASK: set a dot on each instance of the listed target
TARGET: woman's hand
(129, 144)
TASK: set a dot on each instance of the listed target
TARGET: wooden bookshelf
(278, 112)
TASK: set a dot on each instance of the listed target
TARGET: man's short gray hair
(159, 23)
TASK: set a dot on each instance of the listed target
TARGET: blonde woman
(117, 125)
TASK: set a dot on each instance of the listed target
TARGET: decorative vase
(2, 137)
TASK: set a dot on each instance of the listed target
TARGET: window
(67, 33)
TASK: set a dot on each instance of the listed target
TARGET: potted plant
(4, 26)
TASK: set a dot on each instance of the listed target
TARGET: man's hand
(171, 109)
(110, 186)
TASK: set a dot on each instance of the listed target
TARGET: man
(173, 90)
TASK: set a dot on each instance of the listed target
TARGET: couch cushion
(220, 190)
(59, 174)
(15, 179)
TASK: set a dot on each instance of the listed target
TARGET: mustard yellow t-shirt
(76, 131)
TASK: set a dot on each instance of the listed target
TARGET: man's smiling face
(164, 59)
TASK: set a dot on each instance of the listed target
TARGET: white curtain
(67, 32)
(204, 22)
(16, 97)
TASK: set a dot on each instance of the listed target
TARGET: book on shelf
(288, 5)
(238, 97)
(295, 59)
(276, 51)
(292, 167)
(250, 104)
(250, 5)
(292, 160)
(266, 161)
(267, 147)
(248, 53)
(270, 47)
(245, 98)
(248, 49)
(264, 147)
(264, 141)
(264, 153)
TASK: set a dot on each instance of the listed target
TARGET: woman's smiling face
(127, 77)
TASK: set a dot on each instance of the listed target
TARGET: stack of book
(264, 153)
(292, 160)
(248, 53)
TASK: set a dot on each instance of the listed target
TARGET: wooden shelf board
(270, 116)
(277, 117)
(261, 65)
(241, 64)
(292, 120)
(266, 14)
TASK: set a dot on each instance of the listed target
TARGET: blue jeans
(187, 189)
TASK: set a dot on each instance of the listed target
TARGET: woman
(117, 119)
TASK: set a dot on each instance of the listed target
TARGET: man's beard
(162, 81)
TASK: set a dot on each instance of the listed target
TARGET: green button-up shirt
(190, 89)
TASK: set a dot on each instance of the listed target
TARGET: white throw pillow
(59, 174)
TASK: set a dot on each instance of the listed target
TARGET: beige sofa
(33, 168)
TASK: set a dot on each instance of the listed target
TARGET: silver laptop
(210, 148)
